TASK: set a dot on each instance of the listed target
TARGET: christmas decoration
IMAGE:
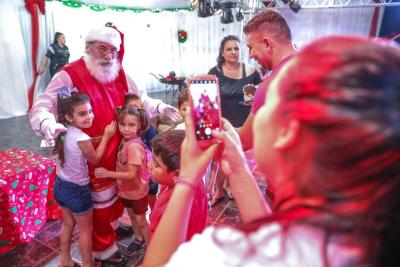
(182, 36)
(77, 4)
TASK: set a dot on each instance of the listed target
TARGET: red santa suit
(104, 98)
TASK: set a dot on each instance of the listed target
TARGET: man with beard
(100, 75)
(269, 40)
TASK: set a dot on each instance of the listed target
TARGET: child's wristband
(179, 180)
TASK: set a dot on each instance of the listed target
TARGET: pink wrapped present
(26, 199)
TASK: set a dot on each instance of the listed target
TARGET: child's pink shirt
(132, 152)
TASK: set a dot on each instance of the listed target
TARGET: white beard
(103, 73)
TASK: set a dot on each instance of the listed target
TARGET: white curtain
(309, 24)
(15, 54)
(151, 41)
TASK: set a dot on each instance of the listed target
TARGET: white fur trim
(105, 198)
(107, 253)
(104, 34)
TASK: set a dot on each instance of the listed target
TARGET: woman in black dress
(233, 76)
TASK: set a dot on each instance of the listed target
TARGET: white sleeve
(82, 136)
(45, 106)
(202, 250)
(149, 104)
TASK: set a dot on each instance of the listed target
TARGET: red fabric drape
(374, 23)
(31, 6)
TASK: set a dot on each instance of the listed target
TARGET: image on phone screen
(206, 109)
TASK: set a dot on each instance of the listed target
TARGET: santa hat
(104, 34)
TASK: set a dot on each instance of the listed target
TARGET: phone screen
(205, 107)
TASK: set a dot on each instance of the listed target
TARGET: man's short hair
(183, 97)
(272, 22)
(167, 146)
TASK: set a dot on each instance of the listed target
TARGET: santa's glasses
(105, 51)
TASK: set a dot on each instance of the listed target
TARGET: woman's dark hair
(220, 58)
(167, 146)
(56, 35)
(139, 113)
(65, 106)
(350, 103)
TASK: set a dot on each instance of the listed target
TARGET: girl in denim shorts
(71, 188)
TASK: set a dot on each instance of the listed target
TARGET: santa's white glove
(169, 111)
(51, 130)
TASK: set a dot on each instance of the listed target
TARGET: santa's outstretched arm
(43, 115)
(151, 105)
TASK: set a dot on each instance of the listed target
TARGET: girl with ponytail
(71, 189)
(132, 173)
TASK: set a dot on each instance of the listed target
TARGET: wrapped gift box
(26, 196)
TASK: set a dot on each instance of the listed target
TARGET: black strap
(243, 70)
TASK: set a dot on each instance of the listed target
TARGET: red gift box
(26, 196)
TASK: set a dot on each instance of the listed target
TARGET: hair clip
(64, 92)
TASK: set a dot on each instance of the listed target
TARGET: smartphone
(205, 104)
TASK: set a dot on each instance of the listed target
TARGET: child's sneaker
(134, 247)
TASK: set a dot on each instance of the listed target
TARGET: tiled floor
(44, 248)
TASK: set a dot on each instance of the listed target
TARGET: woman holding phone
(332, 152)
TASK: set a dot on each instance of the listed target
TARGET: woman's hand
(101, 173)
(232, 159)
(110, 129)
(248, 94)
(194, 160)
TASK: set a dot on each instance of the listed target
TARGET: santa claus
(100, 75)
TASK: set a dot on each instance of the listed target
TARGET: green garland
(77, 4)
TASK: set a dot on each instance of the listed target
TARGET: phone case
(205, 104)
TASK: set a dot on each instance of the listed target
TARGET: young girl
(146, 136)
(132, 173)
(71, 188)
